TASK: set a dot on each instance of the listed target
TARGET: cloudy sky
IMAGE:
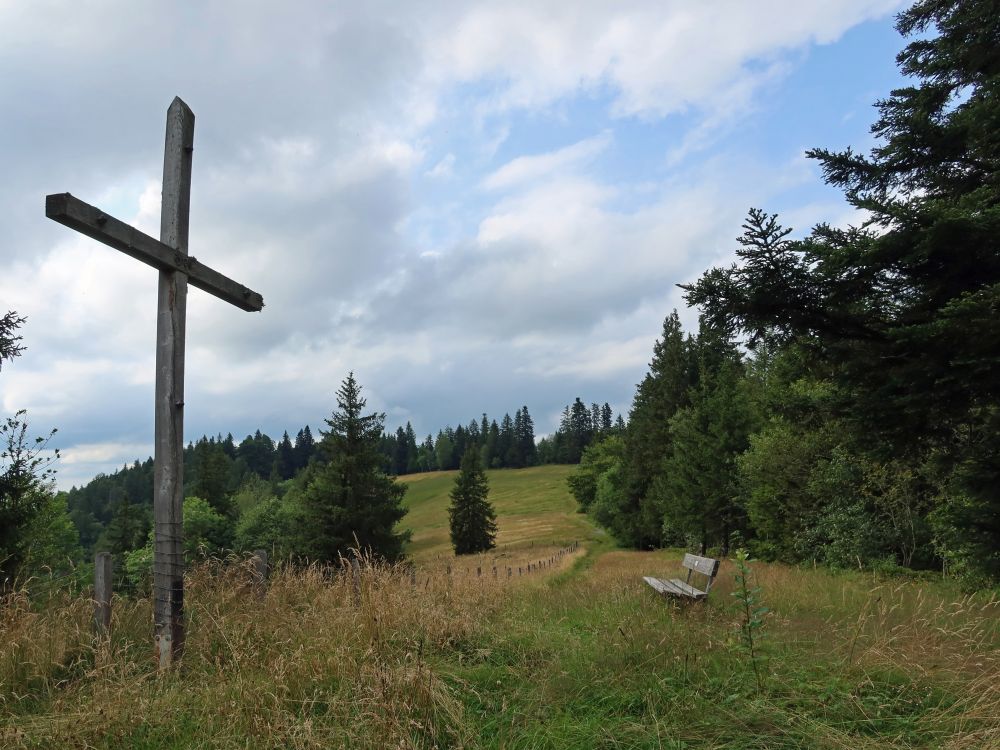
(472, 205)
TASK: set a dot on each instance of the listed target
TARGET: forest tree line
(255, 492)
(840, 401)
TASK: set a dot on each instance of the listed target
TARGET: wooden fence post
(261, 571)
(356, 581)
(103, 568)
(261, 568)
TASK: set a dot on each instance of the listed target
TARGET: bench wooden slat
(662, 587)
(688, 590)
(704, 565)
(674, 587)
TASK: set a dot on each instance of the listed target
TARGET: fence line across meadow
(356, 573)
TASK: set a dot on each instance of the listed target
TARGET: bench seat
(675, 587)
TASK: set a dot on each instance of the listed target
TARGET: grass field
(533, 506)
(579, 655)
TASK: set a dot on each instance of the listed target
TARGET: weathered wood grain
(103, 570)
(687, 589)
(674, 587)
(168, 422)
(74, 213)
(704, 565)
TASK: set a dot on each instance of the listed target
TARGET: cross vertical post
(168, 456)
(169, 255)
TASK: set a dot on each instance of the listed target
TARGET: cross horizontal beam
(91, 221)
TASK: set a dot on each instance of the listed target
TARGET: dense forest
(839, 402)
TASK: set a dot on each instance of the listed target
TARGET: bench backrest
(704, 565)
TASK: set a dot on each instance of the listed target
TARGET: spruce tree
(411, 449)
(398, 447)
(661, 394)
(515, 451)
(305, 447)
(444, 449)
(696, 494)
(348, 499)
(461, 440)
(426, 457)
(902, 310)
(471, 516)
(529, 453)
(285, 458)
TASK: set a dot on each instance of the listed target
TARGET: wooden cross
(177, 269)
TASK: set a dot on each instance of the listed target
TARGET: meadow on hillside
(533, 507)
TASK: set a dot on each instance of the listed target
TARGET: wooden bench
(683, 589)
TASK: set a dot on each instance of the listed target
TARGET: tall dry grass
(300, 663)
(573, 655)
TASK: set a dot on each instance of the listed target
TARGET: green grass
(595, 659)
(533, 506)
(582, 655)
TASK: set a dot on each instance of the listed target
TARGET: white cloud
(444, 168)
(543, 166)
(659, 57)
(86, 453)
(314, 130)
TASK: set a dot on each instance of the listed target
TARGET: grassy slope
(532, 505)
(580, 656)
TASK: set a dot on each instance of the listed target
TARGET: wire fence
(108, 578)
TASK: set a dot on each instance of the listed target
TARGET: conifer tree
(305, 447)
(696, 495)
(411, 449)
(473, 430)
(661, 394)
(529, 453)
(471, 516)
(285, 458)
(902, 310)
(606, 419)
(398, 448)
(426, 457)
(493, 446)
(444, 449)
(461, 440)
(229, 445)
(348, 496)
